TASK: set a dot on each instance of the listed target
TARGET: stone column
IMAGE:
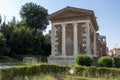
(95, 47)
(88, 38)
(75, 39)
(63, 40)
(52, 40)
(94, 41)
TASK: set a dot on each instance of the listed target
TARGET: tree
(8, 28)
(42, 45)
(3, 46)
(35, 16)
(47, 45)
(21, 41)
(0, 19)
(37, 44)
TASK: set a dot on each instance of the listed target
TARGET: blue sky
(106, 11)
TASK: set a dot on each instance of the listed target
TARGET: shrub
(117, 62)
(106, 61)
(83, 60)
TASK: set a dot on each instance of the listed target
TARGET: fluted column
(63, 40)
(95, 49)
(88, 38)
(53, 40)
(75, 39)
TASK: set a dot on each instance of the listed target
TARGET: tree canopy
(35, 16)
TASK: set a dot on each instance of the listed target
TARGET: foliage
(47, 45)
(106, 61)
(84, 60)
(117, 61)
(37, 43)
(11, 73)
(41, 45)
(3, 46)
(0, 19)
(21, 40)
(38, 69)
(7, 29)
(25, 37)
(35, 16)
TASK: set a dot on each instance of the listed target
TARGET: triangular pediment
(72, 13)
(69, 12)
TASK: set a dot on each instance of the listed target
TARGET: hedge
(93, 72)
(100, 72)
(11, 73)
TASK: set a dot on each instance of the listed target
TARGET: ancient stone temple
(74, 31)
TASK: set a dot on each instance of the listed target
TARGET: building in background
(74, 31)
(114, 52)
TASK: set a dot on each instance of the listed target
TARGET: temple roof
(73, 12)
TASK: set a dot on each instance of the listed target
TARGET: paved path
(4, 67)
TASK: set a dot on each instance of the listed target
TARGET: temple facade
(74, 31)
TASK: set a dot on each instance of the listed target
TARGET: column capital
(74, 23)
(87, 22)
(63, 24)
(53, 24)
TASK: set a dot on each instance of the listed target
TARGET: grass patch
(15, 63)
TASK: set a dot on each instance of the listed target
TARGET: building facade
(114, 52)
(74, 31)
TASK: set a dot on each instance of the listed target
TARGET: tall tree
(21, 41)
(35, 16)
(4, 50)
(8, 28)
(0, 19)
